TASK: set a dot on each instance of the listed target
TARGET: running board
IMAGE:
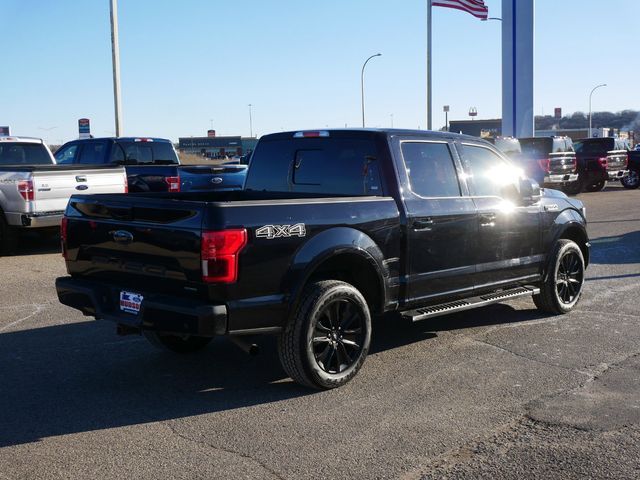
(468, 303)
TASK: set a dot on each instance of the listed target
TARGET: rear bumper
(35, 220)
(158, 312)
(617, 174)
(560, 179)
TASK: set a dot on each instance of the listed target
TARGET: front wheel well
(357, 271)
(578, 235)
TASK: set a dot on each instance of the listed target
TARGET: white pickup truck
(34, 191)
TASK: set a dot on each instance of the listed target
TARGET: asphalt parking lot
(501, 392)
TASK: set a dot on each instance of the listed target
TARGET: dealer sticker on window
(130, 302)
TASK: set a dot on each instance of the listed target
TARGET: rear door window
(92, 153)
(430, 169)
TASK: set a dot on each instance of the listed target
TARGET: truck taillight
(63, 236)
(219, 254)
(25, 189)
(603, 161)
(545, 164)
(174, 183)
(126, 184)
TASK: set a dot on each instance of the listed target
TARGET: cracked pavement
(501, 392)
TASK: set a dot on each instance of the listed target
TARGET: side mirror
(529, 191)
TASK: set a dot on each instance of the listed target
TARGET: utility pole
(250, 122)
(115, 56)
(429, 65)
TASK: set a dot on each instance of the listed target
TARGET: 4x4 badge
(281, 231)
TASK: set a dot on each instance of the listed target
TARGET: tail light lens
(126, 184)
(626, 164)
(545, 164)
(174, 183)
(25, 188)
(219, 254)
(63, 236)
(603, 162)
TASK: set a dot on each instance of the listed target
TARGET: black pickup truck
(332, 227)
(600, 160)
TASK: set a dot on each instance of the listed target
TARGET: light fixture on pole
(362, 83)
(250, 122)
(591, 95)
(115, 57)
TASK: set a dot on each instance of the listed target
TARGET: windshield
(144, 152)
(24, 154)
(595, 146)
(536, 147)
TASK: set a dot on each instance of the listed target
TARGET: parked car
(223, 177)
(34, 191)
(151, 163)
(632, 180)
(599, 160)
(331, 228)
(551, 161)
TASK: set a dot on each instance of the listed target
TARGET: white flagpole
(429, 97)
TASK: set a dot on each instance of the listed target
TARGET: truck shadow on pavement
(616, 249)
(80, 377)
(37, 243)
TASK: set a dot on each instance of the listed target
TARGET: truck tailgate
(53, 188)
(562, 162)
(129, 241)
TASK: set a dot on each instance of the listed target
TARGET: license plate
(130, 302)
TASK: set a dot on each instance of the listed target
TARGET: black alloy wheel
(338, 336)
(570, 277)
(327, 337)
(563, 279)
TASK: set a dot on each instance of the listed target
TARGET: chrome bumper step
(468, 303)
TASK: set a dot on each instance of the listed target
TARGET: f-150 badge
(281, 231)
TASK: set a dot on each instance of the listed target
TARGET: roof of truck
(327, 132)
(14, 139)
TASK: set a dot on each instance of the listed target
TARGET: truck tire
(327, 338)
(573, 188)
(8, 237)
(563, 279)
(176, 343)
(632, 181)
(596, 187)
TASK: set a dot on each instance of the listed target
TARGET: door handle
(488, 220)
(424, 224)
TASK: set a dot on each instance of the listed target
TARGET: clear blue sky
(298, 62)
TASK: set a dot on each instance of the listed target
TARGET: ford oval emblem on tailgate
(122, 236)
(82, 187)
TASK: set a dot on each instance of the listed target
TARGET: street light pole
(591, 95)
(362, 83)
(250, 122)
(115, 57)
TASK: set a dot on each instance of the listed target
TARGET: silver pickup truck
(34, 191)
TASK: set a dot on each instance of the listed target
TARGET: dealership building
(213, 146)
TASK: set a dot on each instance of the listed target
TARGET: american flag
(477, 8)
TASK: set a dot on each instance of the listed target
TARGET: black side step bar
(468, 303)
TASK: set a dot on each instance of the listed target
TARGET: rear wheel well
(356, 270)
(578, 236)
